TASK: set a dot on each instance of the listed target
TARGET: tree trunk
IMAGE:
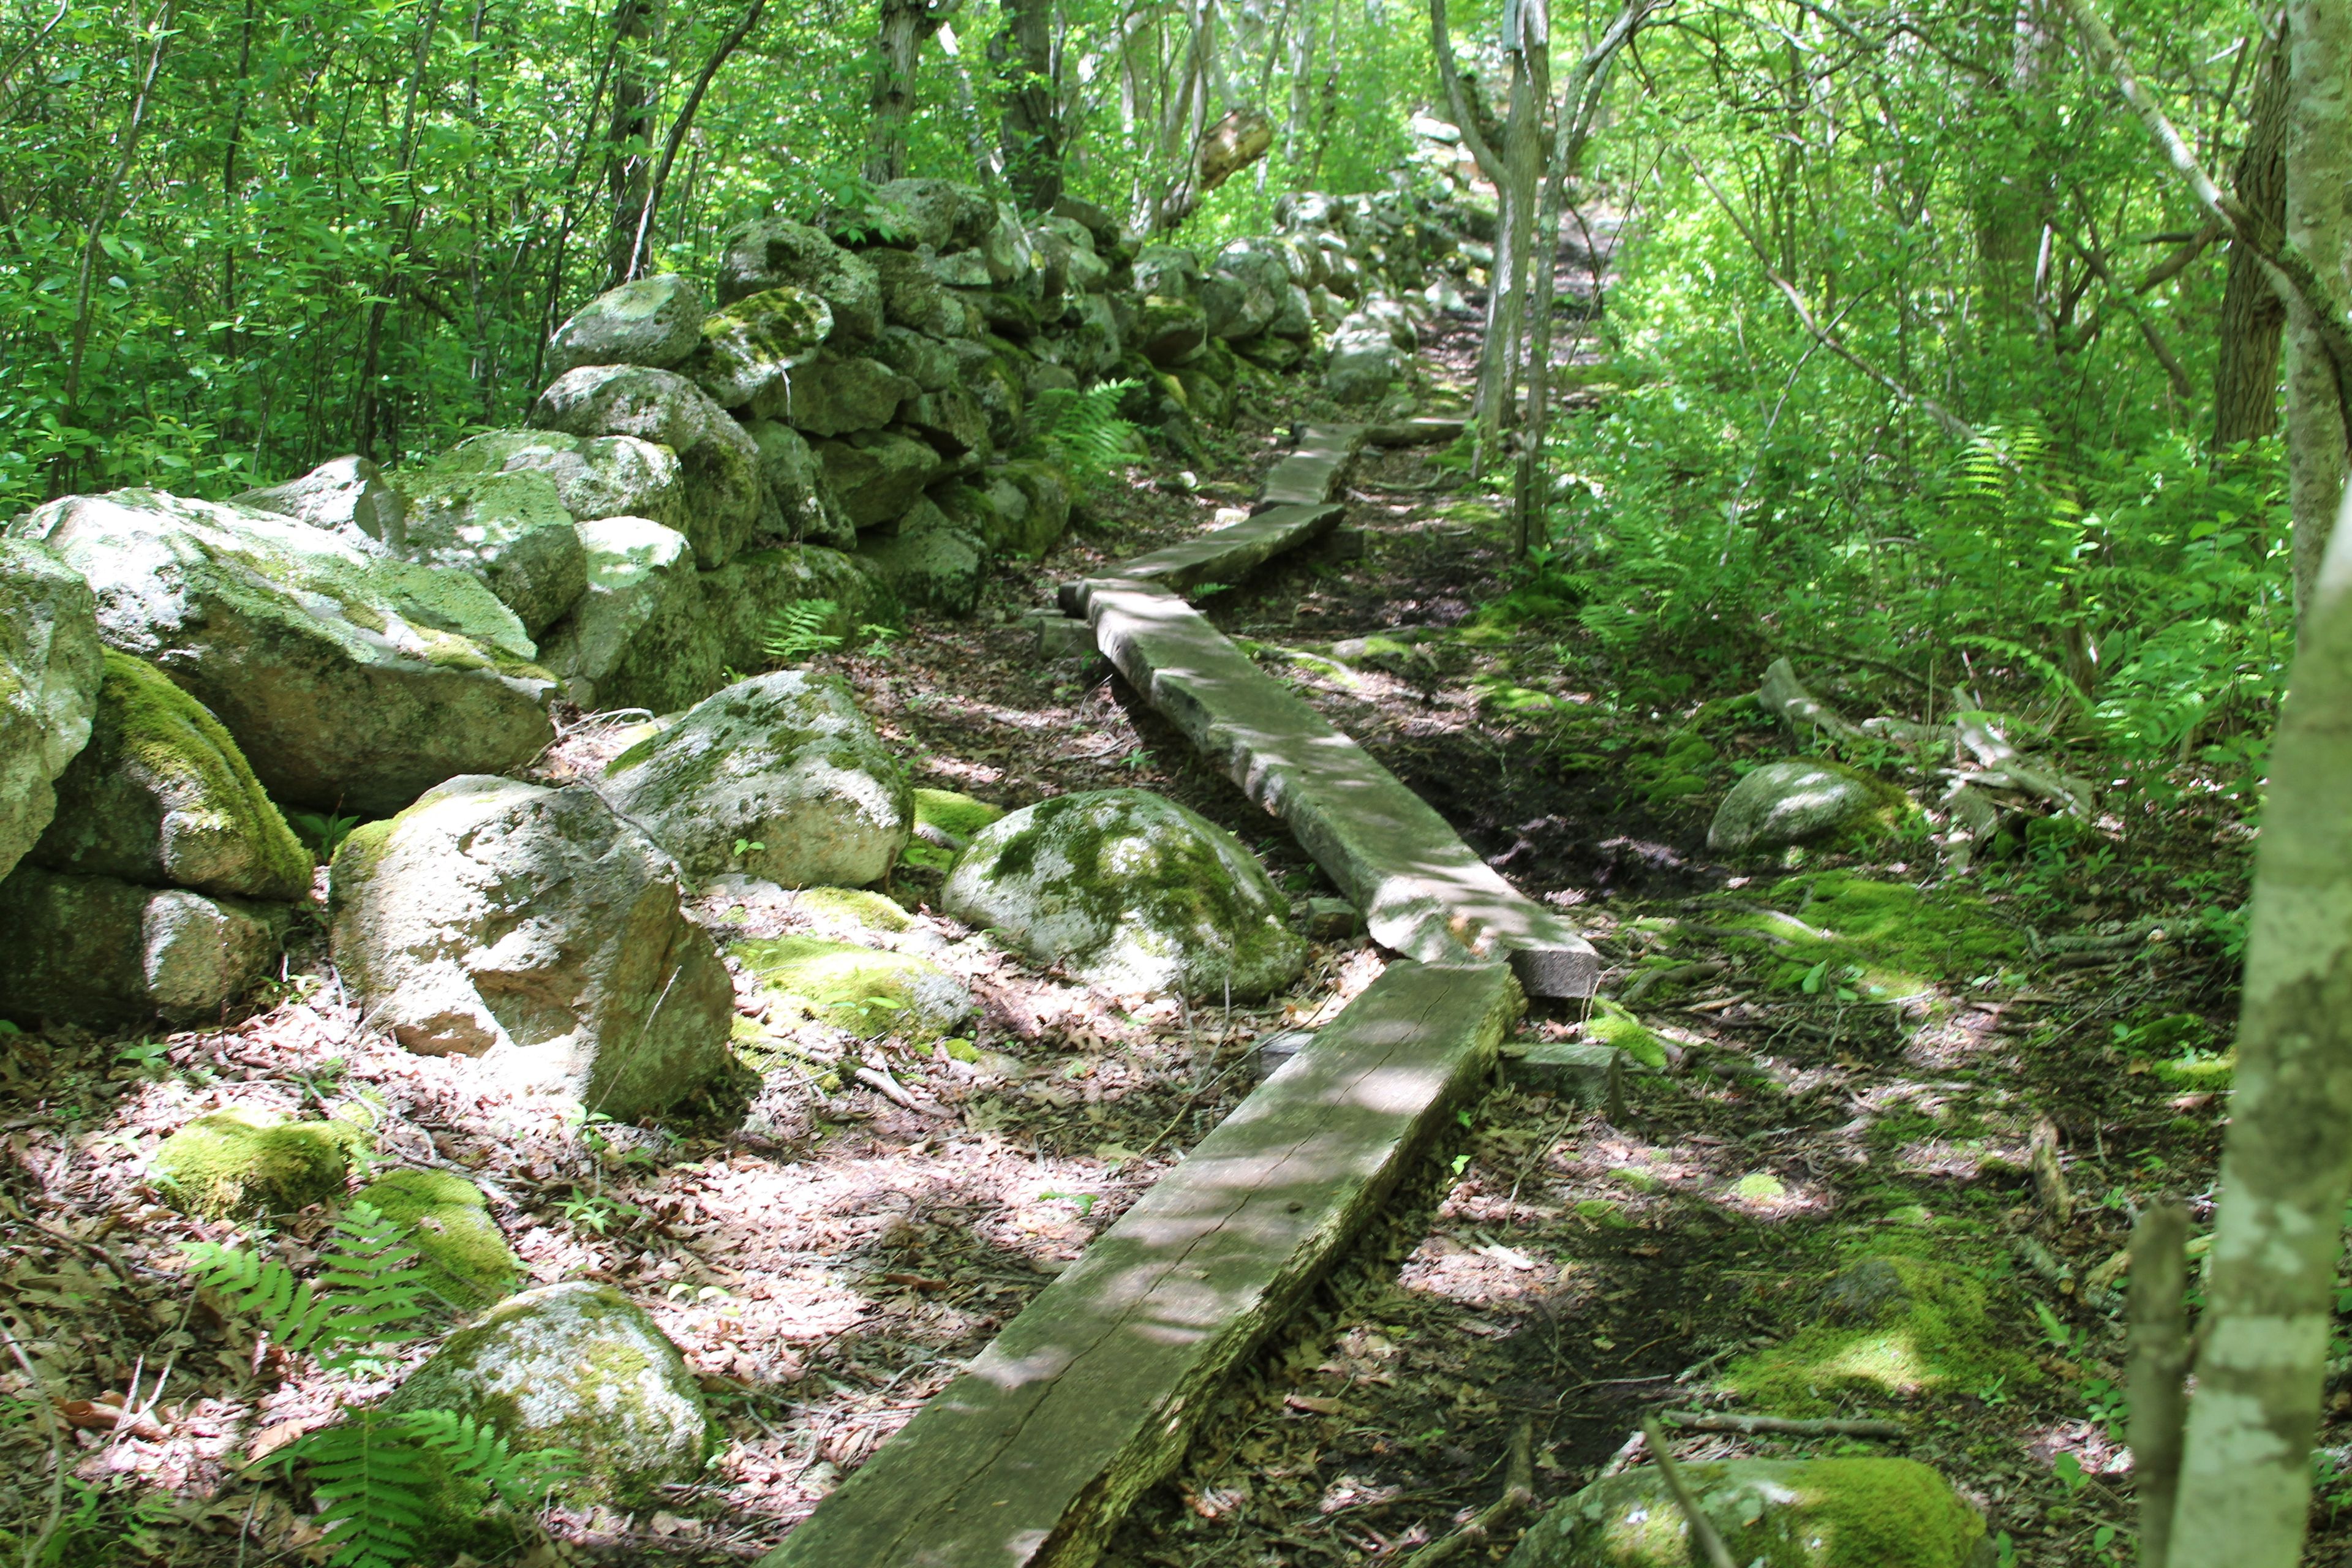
(628, 152)
(2013, 210)
(2245, 1476)
(896, 48)
(2246, 369)
(1498, 358)
(2318, 171)
(1031, 132)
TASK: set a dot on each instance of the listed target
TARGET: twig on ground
(1782, 1425)
(890, 1089)
(1702, 1527)
(1519, 1491)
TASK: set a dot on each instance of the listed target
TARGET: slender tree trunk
(897, 47)
(2318, 228)
(2246, 368)
(1498, 358)
(678, 131)
(2011, 212)
(403, 215)
(1030, 133)
(628, 156)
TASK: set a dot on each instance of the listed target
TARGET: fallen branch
(1519, 1491)
(890, 1089)
(1781, 1426)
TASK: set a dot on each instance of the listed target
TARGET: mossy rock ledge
(245, 1162)
(1816, 1513)
(577, 1366)
(1131, 891)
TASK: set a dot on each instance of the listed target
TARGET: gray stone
(838, 395)
(931, 561)
(805, 508)
(1579, 1071)
(50, 667)
(941, 214)
(1131, 891)
(1046, 517)
(1059, 636)
(1363, 362)
(1170, 330)
(912, 297)
(535, 929)
(1275, 1052)
(654, 322)
(1333, 919)
(1296, 316)
(638, 637)
(962, 270)
(1089, 343)
(953, 421)
(750, 349)
(1788, 802)
(604, 476)
(926, 363)
(718, 466)
(509, 529)
(350, 682)
(878, 474)
(576, 1366)
(770, 252)
(162, 796)
(1257, 288)
(1168, 270)
(102, 952)
(742, 599)
(339, 493)
(778, 776)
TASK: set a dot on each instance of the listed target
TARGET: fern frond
(797, 630)
(373, 1289)
(1083, 431)
(373, 1479)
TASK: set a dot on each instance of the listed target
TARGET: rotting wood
(1030, 1457)
(1227, 554)
(1424, 893)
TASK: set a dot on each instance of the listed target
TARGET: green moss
(958, 815)
(854, 906)
(1820, 1513)
(1760, 1187)
(1613, 1026)
(1881, 940)
(1605, 1214)
(1886, 1327)
(2199, 1070)
(465, 1259)
(857, 989)
(238, 1162)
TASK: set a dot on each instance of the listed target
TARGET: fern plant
(1082, 431)
(796, 632)
(383, 1479)
(369, 1292)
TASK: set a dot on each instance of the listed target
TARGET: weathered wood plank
(1031, 1456)
(1226, 554)
(1424, 893)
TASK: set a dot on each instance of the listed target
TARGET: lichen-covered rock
(750, 349)
(717, 465)
(835, 394)
(941, 214)
(1804, 797)
(101, 952)
(638, 637)
(244, 1161)
(341, 493)
(510, 529)
(1885, 1327)
(654, 322)
(1088, 341)
(461, 1254)
(771, 252)
(1247, 289)
(778, 776)
(1782, 1513)
(1132, 891)
(805, 508)
(535, 929)
(162, 796)
(350, 683)
(1170, 331)
(1364, 361)
(931, 561)
(877, 474)
(1045, 489)
(741, 600)
(576, 1366)
(952, 422)
(919, 359)
(49, 673)
(604, 476)
(1168, 270)
(861, 990)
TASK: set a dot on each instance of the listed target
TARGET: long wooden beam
(1030, 1457)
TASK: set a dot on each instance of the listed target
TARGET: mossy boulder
(101, 952)
(945, 821)
(717, 465)
(350, 682)
(878, 474)
(931, 561)
(535, 928)
(638, 637)
(861, 908)
(511, 529)
(1882, 941)
(652, 322)
(594, 476)
(162, 796)
(1131, 891)
(750, 349)
(862, 990)
(576, 1366)
(50, 672)
(779, 777)
(1811, 1513)
(838, 393)
(741, 600)
(250, 1162)
(1886, 1329)
(461, 1253)
(768, 253)
(802, 505)
(346, 495)
(1804, 798)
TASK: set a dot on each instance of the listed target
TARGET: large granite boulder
(341, 493)
(1789, 1514)
(803, 507)
(877, 474)
(638, 637)
(162, 796)
(1169, 328)
(532, 928)
(779, 777)
(350, 682)
(1805, 797)
(102, 953)
(1132, 892)
(509, 529)
(654, 322)
(49, 674)
(932, 560)
(718, 464)
(917, 357)
(1363, 362)
(771, 252)
(914, 299)
(751, 348)
(835, 394)
(576, 1366)
(603, 476)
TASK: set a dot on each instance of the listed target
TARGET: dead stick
(1519, 1491)
(2160, 1361)
(1702, 1527)
(1832, 1426)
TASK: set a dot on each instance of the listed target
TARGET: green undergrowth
(1836, 933)
(958, 816)
(1613, 1026)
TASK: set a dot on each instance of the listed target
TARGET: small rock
(252, 1161)
(1333, 919)
(877, 474)
(931, 561)
(805, 508)
(1586, 1074)
(861, 990)
(50, 669)
(461, 1253)
(836, 394)
(99, 952)
(1274, 1052)
(576, 1366)
(718, 464)
(1805, 797)
(654, 322)
(509, 529)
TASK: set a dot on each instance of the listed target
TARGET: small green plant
(749, 846)
(377, 1477)
(878, 638)
(596, 1211)
(1082, 431)
(322, 832)
(368, 1293)
(796, 632)
(146, 1055)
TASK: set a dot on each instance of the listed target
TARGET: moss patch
(239, 1161)
(464, 1258)
(1613, 1026)
(856, 989)
(1881, 941)
(957, 816)
(1821, 1513)
(854, 906)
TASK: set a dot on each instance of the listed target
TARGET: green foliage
(380, 1480)
(322, 832)
(369, 1292)
(1082, 433)
(796, 633)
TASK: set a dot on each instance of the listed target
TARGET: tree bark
(897, 47)
(2245, 1475)
(678, 128)
(1030, 134)
(403, 213)
(628, 163)
(2318, 171)
(2246, 368)
(1494, 403)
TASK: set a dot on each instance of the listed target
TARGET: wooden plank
(1227, 555)
(1424, 893)
(1029, 1458)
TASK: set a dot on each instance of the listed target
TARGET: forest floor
(1855, 1055)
